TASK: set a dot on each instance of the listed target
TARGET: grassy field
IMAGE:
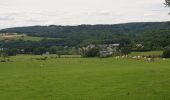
(84, 79)
(158, 53)
(23, 37)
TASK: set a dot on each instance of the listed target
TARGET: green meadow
(153, 53)
(23, 37)
(25, 78)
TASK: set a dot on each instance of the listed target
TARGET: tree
(167, 3)
(126, 50)
(92, 52)
(166, 54)
(53, 50)
(11, 52)
(39, 50)
(4, 57)
(59, 53)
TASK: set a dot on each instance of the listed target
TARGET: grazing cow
(145, 57)
(126, 56)
(139, 57)
(164, 59)
(123, 56)
(150, 60)
(117, 57)
(134, 57)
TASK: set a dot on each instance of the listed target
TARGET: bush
(166, 54)
(126, 50)
(3, 61)
(93, 52)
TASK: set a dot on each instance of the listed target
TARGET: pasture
(153, 53)
(84, 79)
(23, 37)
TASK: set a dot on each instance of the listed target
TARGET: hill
(84, 31)
(153, 35)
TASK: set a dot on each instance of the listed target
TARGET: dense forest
(153, 35)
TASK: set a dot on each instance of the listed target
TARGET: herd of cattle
(146, 58)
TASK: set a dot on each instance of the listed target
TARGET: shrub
(93, 52)
(125, 50)
(166, 54)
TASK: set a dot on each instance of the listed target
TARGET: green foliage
(126, 50)
(53, 50)
(4, 57)
(166, 54)
(39, 50)
(92, 52)
(154, 36)
(11, 52)
(167, 3)
(80, 34)
(154, 53)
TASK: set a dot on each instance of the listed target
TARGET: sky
(14, 13)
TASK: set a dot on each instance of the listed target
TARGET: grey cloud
(64, 12)
(36, 21)
(105, 13)
(5, 18)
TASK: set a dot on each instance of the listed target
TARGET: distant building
(91, 46)
(105, 52)
(139, 46)
(115, 45)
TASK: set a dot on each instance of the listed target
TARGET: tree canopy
(67, 39)
(167, 3)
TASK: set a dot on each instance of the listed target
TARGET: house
(91, 46)
(115, 45)
(139, 46)
(103, 46)
(105, 52)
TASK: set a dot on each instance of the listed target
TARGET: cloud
(5, 18)
(104, 12)
(73, 12)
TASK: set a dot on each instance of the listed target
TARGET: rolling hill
(154, 35)
(95, 31)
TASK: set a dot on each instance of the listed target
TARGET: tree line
(153, 36)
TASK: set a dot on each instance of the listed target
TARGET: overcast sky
(74, 12)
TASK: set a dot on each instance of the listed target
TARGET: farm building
(104, 52)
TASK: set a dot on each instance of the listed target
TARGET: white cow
(134, 57)
(117, 57)
(150, 59)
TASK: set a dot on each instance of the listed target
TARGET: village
(109, 50)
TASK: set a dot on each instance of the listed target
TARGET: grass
(84, 79)
(37, 38)
(23, 37)
(32, 38)
(156, 53)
